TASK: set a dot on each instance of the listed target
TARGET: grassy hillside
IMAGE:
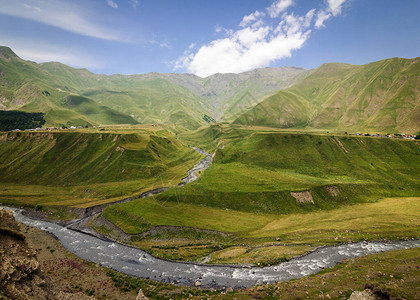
(94, 111)
(30, 87)
(149, 100)
(256, 171)
(307, 189)
(77, 167)
(117, 99)
(380, 96)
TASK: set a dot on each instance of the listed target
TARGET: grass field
(256, 171)
(392, 275)
(264, 238)
(306, 189)
(88, 167)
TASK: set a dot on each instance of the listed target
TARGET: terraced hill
(79, 167)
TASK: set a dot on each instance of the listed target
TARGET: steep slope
(24, 85)
(113, 99)
(83, 167)
(379, 96)
(275, 172)
(229, 94)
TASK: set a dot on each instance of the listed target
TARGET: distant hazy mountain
(227, 94)
(383, 95)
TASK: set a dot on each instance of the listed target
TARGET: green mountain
(228, 94)
(80, 167)
(178, 99)
(380, 96)
(71, 96)
(26, 86)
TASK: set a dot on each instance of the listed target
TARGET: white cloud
(252, 18)
(247, 48)
(335, 6)
(258, 42)
(112, 3)
(35, 8)
(66, 15)
(321, 18)
(279, 6)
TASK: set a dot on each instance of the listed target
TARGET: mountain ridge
(380, 95)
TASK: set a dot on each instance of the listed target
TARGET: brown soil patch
(303, 197)
(333, 190)
(340, 144)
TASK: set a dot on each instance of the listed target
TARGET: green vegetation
(257, 171)
(183, 243)
(379, 96)
(135, 216)
(264, 185)
(390, 218)
(78, 97)
(388, 275)
(10, 120)
(208, 119)
(83, 169)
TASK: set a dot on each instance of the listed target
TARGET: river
(133, 261)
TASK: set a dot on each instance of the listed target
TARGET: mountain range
(378, 96)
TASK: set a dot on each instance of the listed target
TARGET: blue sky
(206, 37)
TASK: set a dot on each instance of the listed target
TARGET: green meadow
(254, 191)
(83, 168)
(268, 195)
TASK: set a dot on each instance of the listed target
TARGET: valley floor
(269, 195)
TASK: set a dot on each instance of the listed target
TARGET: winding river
(133, 261)
(138, 263)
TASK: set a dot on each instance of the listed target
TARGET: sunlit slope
(143, 97)
(150, 100)
(257, 172)
(379, 96)
(116, 99)
(226, 95)
(104, 164)
(27, 86)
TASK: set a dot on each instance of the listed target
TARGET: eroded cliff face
(21, 276)
(20, 273)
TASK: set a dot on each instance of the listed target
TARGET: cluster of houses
(394, 136)
(52, 128)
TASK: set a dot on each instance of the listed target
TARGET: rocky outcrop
(20, 274)
(363, 295)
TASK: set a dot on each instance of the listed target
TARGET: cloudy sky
(206, 37)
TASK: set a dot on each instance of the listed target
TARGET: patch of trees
(14, 119)
(209, 119)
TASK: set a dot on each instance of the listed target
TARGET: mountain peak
(7, 53)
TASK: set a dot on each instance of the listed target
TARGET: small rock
(198, 283)
(229, 290)
(363, 295)
(260, 288)
(278, 239)
(141, 296)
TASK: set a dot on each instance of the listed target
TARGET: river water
(138, 263)
(202, 165)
